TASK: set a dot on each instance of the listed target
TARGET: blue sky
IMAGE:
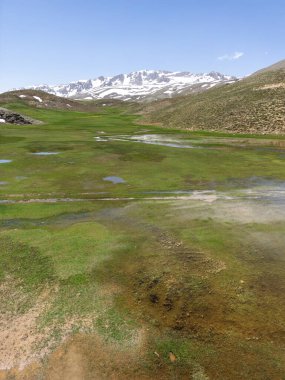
(58, 41)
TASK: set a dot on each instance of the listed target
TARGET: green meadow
(177, 270)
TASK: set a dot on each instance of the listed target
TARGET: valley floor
(128, 252)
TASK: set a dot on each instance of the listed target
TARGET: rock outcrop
(15, 118)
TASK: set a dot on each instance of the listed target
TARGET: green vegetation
(185, 287)
(82, 163)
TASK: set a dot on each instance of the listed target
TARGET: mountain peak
(139, 85)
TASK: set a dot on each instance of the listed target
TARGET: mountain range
(139, 85)
(254, 104)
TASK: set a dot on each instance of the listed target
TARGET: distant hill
(41, 99)
(255, 104)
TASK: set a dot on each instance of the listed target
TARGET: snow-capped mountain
(139, 85)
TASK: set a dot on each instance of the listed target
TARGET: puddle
(162, 140)
(44, 153)
(5, 161)
(114, 179)
(3, 183)
(100, 139)
(168, 192)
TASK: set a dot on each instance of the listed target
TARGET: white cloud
(231, 57)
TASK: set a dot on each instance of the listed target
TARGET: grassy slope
(253, 105)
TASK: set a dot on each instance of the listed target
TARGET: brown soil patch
(22, 342)
(272, 86)
(88, 358)
(18, 332)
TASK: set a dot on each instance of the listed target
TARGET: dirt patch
(89, 357)
(19, 334)
(23, 342)
(271, 86)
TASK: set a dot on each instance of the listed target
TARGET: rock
(154, 298)
(15, 118)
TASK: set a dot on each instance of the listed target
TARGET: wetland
(125, 254)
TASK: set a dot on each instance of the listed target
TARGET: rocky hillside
(139, 85)
(255, 104)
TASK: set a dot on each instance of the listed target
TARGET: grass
(145, 276)
(82, 163)
(25, 263)
(83, 238)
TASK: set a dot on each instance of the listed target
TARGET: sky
(59, 41)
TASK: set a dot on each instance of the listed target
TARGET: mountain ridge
(280, 65)
(138, 85)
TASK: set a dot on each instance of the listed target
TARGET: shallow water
(269, 195)
(162, 140)
(114, 179)
(5, 161)
(179, 141)
(45, 153)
